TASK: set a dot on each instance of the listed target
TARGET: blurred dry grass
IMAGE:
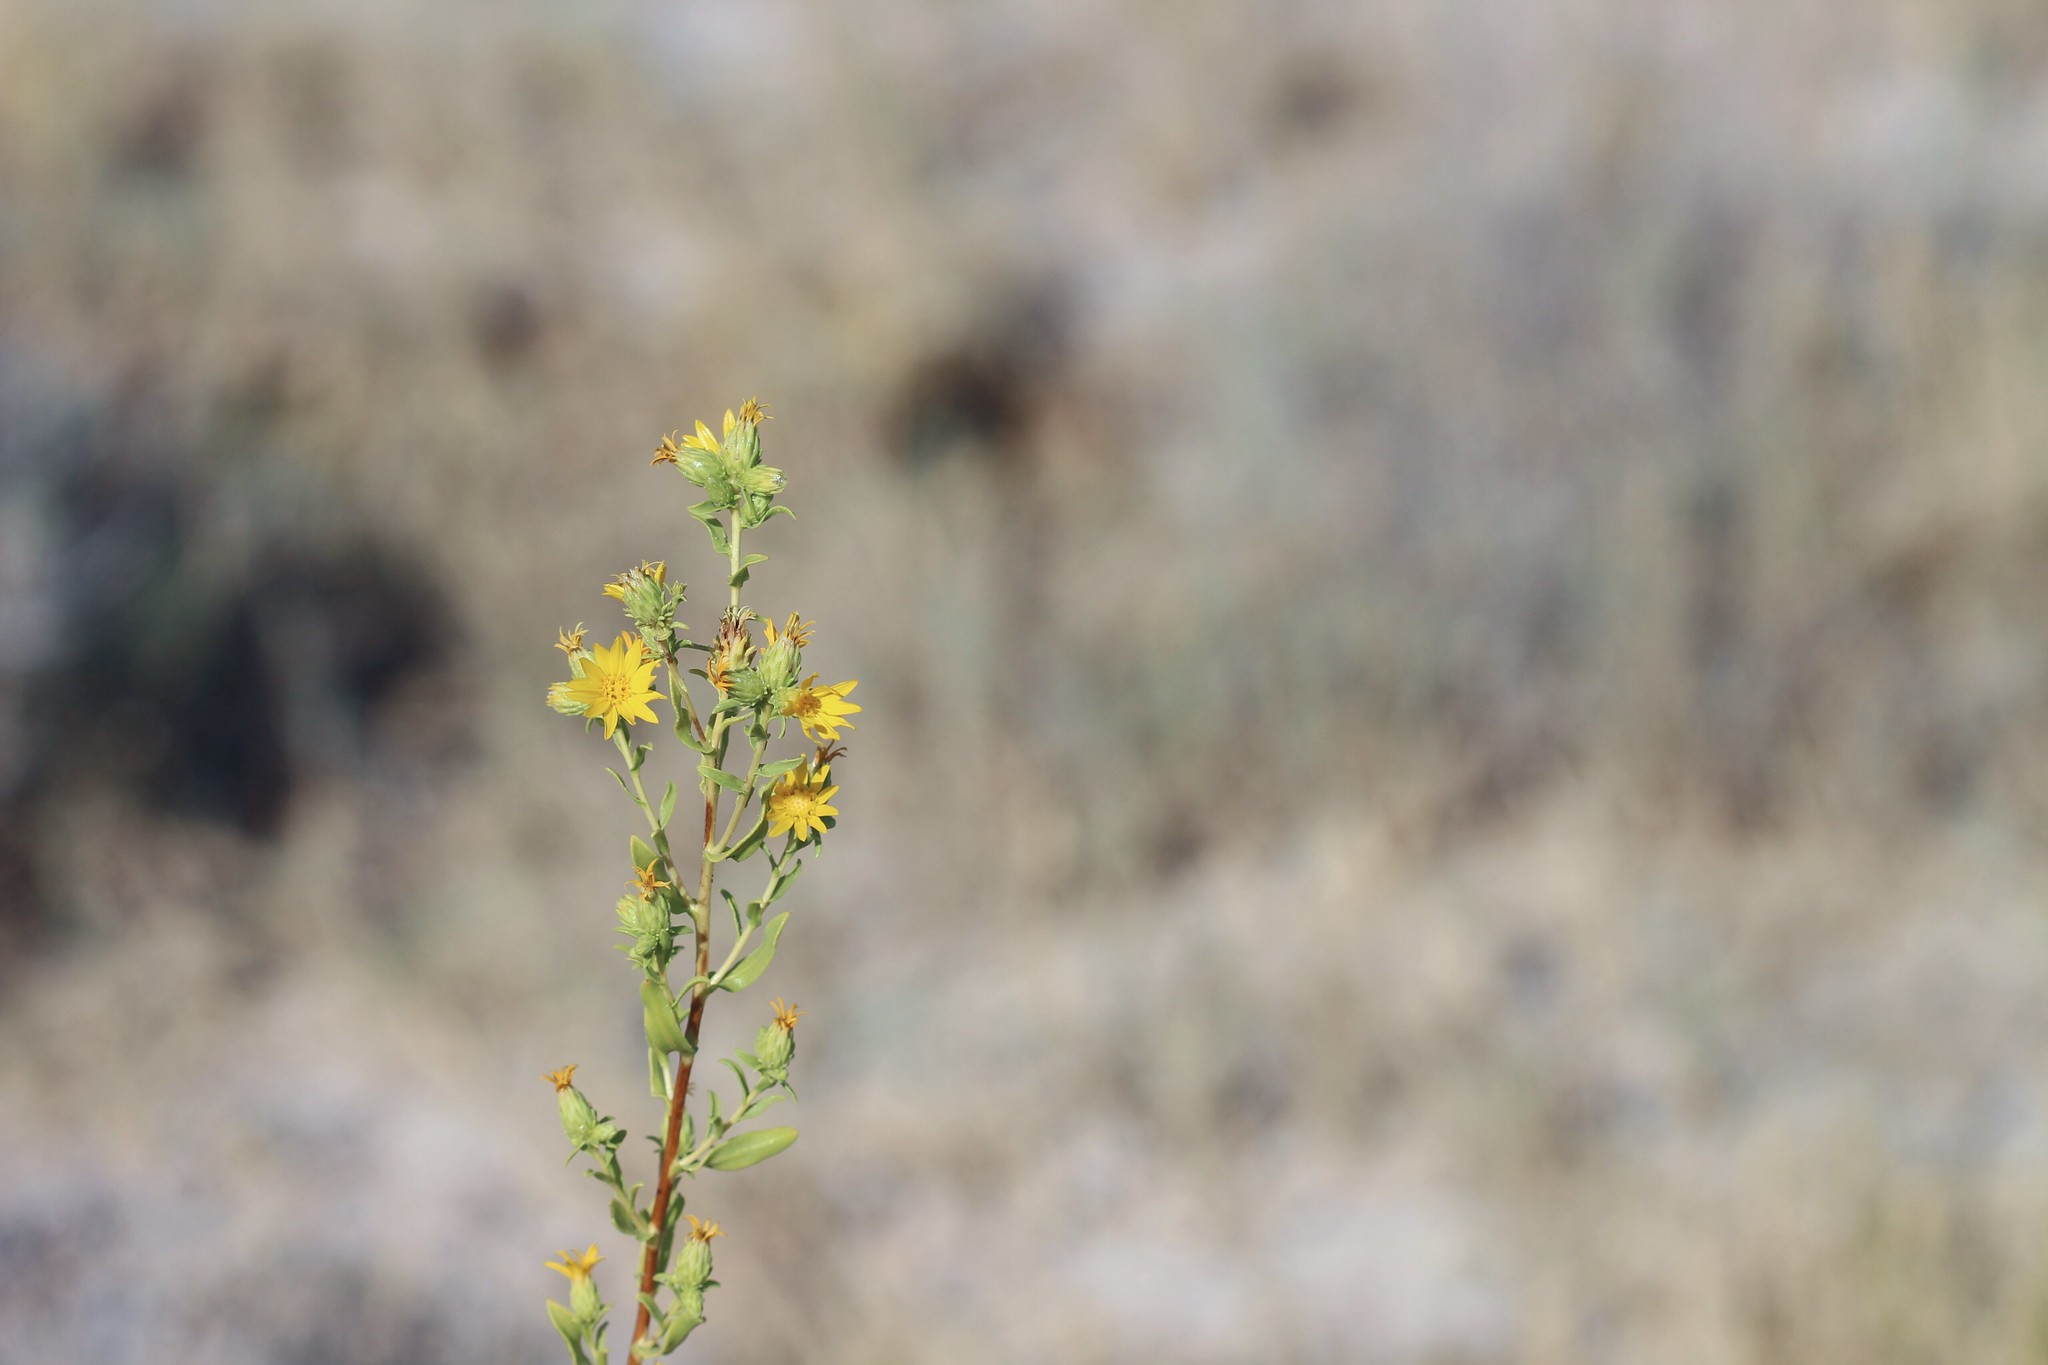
(1447, 598)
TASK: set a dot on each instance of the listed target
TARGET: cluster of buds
(728, 468)
(650, 601)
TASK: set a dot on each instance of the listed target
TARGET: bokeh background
(1451, 599)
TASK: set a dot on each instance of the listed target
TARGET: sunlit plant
(735, 700)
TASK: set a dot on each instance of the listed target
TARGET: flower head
(561, 1080)
(822, 711)
(794, 630)
(701, 1231)
(667, 451)
(800, 801)
(570, 641)
(785, 1015)
(647, 882)
(574, 1266)
(751, 411)
(615, 684)
(619, 586)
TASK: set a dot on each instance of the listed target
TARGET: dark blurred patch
(1315, 96)
(978, 395)
(165, 127)
(505, 324)
(197, 683)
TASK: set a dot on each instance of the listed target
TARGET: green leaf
(643, 855)
(630, 1221)
(664, 1030)
(668, 804)
(749, 1149)
(748, 560)
(567, 1323)
(753, 964)
(751, 843)
(770, 771)
(720, 776)
(783, 881)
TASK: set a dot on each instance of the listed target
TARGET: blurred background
(1451, 599)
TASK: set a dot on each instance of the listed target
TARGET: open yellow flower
(801, 801)
(822, 711)
(616, 683)
(574, 1266)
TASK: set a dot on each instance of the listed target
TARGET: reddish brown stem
(664, 1186)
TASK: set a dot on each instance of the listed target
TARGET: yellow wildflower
(822, 711)
(801, 801)
(701, 1231)
(797, 632)
(569, 641)
(647, 883)
(785, 1015)
(656, 570)
(702, 439)
(615, 683)
(574, 1266)
(561, 1080)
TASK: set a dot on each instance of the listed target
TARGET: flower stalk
(747, 685)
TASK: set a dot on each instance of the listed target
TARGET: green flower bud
(773, 1047)
(779, 665)
(684, 1317)
(579, 1120)
(583, 1300)
(693, 1259)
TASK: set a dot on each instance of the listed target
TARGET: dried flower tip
(561, 1080)
(647, 883)
(667, 452)
(785, 1015)
(753, 411)
(570, 641)
(701, 1231)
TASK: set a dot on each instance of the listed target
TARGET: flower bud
(693, 1258)
(579, 1120)
(773, 1047)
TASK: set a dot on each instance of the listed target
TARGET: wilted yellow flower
(750, 411)
(701, 1231)
(801, 801)
(561, 1080)
(647, 883)
(569, 641)
(667, 451)
(615, 683)
(656, 570)
(574, 1266)
(822, 711)
(785, 1015)
(796, 631)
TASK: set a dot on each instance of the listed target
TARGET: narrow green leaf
(753, 964)
(668, 804)
(750, 843)
(720, 776)
(749, 1149)
(778, 767)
